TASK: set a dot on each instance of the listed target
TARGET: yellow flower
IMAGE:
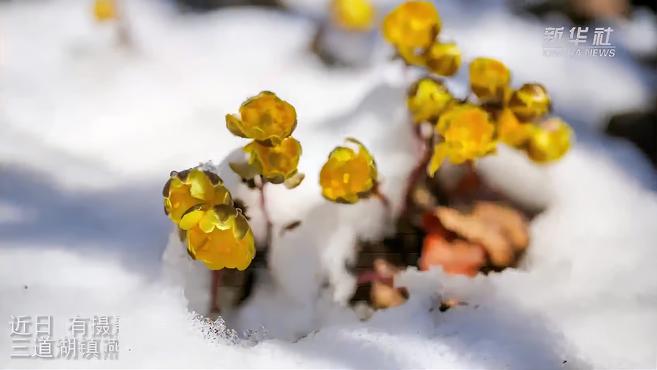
(353, 15)
(549, 141)
(511, 131)
(412, 25)
(529, 102)
(427, 99)
(275, 163)
(105, 10)
(347, 175)
(412, 56)
(489, 79)
(265, 118)
(190, 188)
(219, 236)
(443, 58)
(217, 233)
(467, 134)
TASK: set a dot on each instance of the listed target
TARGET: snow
(89, 133)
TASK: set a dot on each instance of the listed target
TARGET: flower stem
(384, 199)
(265, 213)
(370, 276)
(418, 172)
(214, 293)
(470, 183)
(123, 33)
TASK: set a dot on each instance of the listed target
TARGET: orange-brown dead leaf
(457, 257)
(501, 230)
(512, 223)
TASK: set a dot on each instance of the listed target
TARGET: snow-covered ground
(89, 133)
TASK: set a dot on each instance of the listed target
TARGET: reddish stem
(265, 213)
(214, 293)
(123, 34)
(418, 172)
(384, 199)
(470, 183)
(372, 276)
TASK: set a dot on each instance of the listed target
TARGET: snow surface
(88, 134)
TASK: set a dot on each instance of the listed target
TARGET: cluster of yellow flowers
(353, 15)
(467, 130)
(348, 175)
(216, 232)
(273, 154)
(412, 28)
(518, 118)
(522, 124)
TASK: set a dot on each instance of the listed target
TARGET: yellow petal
(353, 15)
(190, 188)
(105, 10)
(294, 181)
(412, 24)
(224, 216)
(511, 131)
(427, 99)
(550, 141)
(529, 102)
(241, 226)
(443, 58)
(267, 118)
(196, 240)
(191, 218)
(411, 56)
(200, 185)
(467, 133)
(275, 163)
(234, 124)
(177, 198)
(208, 221)
(348, 175)
(489, 79)
(223, 250)
(437, 159)
(244, 170)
